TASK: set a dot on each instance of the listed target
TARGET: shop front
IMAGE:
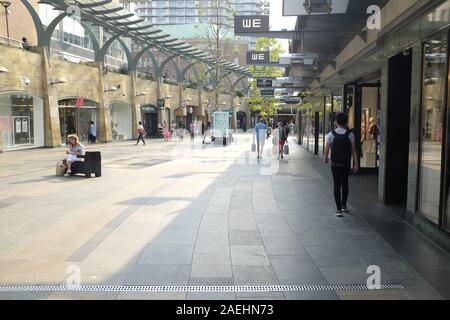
(121, 121)
(75, 116)
(241, 118)
(21, 121)
(434, 156)
(362, 104)
(150, 122)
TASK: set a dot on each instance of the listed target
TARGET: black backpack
(283, 133)
(341, 150)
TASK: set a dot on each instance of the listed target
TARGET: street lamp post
(5, 5)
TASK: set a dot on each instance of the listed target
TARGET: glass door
(434, 161)
(367, 116)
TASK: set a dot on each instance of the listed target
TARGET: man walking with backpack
(341, 142)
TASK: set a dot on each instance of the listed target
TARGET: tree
(267, 107)
(216, 18)
(276, 49)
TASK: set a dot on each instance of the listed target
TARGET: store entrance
(398, 128)
(150, 120)
(362, 103)
(74, 120)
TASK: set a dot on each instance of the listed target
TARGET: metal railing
(11, 42)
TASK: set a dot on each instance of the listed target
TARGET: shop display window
(435, 72)
(21, 121)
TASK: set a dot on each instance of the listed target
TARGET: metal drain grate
(284, 288)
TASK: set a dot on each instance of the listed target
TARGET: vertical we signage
(248, 24)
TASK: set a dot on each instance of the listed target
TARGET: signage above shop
(264, 83)
(256, 57)
(248, 24)
(149, 109)
(267, 92)
(161, 104)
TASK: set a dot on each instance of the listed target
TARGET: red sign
(80, 102)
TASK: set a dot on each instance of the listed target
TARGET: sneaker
(339, 214)
(345, 210)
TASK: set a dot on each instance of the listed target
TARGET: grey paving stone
(420, 290)
(249, 255)
(176, 236)
(242, 223)
(211, 266)
(167, 254)
(254, 276)
(159, 275)
(212, 229)
(212, 245)
(83, 252)
(345, 275)
(295, 268)
(211, 281)
(245, 238)
(284, 247)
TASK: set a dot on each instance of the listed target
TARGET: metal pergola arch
(115, 20)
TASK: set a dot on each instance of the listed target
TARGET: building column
(50, 97)
(414, 136)
(104, 114)
(135, 107)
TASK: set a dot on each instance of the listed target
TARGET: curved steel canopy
(115, 19)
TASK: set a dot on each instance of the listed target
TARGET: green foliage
(266, 107)
(275, 48)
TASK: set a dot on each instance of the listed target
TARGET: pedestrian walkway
(182, 214)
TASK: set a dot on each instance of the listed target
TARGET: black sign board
(247, 24)
(264, 83)
(255, 57)
(267, 92)
(161, 104)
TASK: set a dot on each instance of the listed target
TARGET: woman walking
(141, 133)
(166, 131)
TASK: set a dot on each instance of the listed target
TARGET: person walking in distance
(141, 133)
(261, 137)
(341, 142)
(284, 134)
(192, 131)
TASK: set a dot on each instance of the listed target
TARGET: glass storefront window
(121, 122)
(77, 120)
(369, 127)
(435, 74)
(21, 121)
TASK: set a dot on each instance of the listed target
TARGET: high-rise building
(176, 12)
(164, 12)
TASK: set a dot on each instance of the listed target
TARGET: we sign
(246, 24)
(255, 57)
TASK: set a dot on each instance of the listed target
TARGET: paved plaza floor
(188, 214)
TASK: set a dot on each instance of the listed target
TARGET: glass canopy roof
(115, 19)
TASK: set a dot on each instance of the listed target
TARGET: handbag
(61, 168)
(253, 145)
(286, 149)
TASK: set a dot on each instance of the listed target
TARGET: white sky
(278, 22)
